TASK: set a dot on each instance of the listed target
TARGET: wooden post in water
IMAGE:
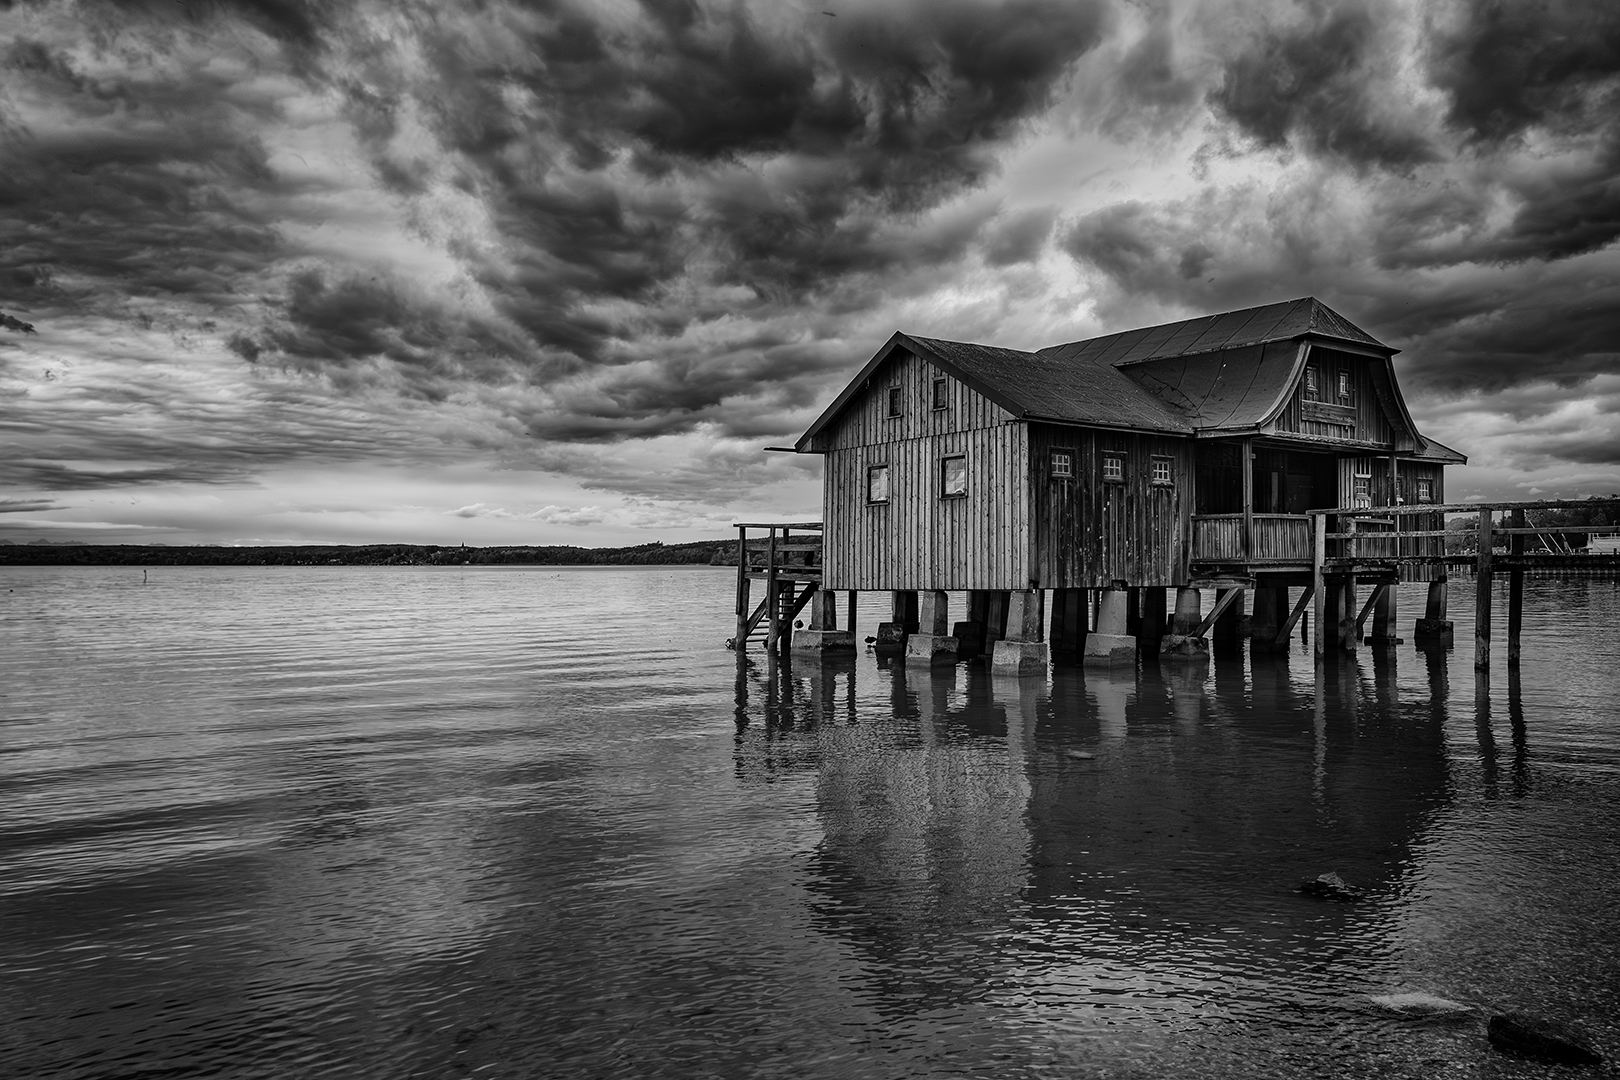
(1151, 635)
(1482, 596)
(1349, 632)
(1515, 589)
(852, 595)
(740, 642)
(1319, 582)
(1248, 497)
(773, 597)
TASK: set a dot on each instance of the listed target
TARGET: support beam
(1367, 609)
(1110, 645)
(740, 642)
(1230, 626)
(1482, 596)
(1268, 606)
(1281, 640)
(1383, 613)
(1515, 590)
(1154, 623)
(1319, 582)
(1248, 497)
(1226, 599)
(773, 632)
(823, 637)
(1185, 641)
(1067, 637)
(1434, 626)
(932, 643)
(1021, 652)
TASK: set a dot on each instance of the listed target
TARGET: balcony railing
(1275, 538)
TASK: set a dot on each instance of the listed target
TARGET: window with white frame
(1362, 493)
(1344, 386)
(1425, 490)
(1062, 463)
(952, 477)
(1113, 468)
(877, 484)
(1163, 472)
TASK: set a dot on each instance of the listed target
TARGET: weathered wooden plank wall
(1090, 532)
(1306, 416)
(921, 539)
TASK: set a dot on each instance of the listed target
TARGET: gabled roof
(1228, 372)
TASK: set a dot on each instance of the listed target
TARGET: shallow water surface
(417, 822)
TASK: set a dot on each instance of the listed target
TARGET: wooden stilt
(1294, 616)
(1225, 599)
(1482, 596)
(852, 595)
(1319, 580)
(740, 642)
(1515, 590)
(1153, 622)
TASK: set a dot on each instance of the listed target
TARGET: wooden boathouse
(1065, 490)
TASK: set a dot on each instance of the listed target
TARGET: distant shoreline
(698, 553)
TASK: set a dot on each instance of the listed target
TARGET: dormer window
(894, 401)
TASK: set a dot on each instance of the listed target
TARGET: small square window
(894, 401)
(1363, 491)
(1062, 463)
(942, 394)
(1425, 490)
(1344, 385)
(1162, 473)
(1113, 467)
(953, 477)
(877, 484)
(1310, 381)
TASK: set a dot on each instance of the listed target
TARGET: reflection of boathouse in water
(1105, 827)
(1104, 472)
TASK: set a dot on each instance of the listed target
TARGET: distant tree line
(1562, 523)
(701, 552)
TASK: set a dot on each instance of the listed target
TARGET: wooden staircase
(790, 568)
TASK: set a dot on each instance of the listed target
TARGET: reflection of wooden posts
(1515, 588)
(1482, 596)
(1319, 582)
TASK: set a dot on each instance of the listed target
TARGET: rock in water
(1081, 755)
(1531, 1036)
(1420, 1004)
(1331, 887)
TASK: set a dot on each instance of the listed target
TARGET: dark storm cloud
(26, 506)
(1314, 79)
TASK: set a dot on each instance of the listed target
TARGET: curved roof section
(1283, 321)
(1232, 388)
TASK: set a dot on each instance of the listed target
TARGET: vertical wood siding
(1372, 424)
(1090, 532)
(866, 422)
(920, 539)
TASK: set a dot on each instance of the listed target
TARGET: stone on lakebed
(1416, 1003)
(1331, 886)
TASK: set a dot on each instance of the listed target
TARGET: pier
(1346, 549)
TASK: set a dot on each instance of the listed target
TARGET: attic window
(894, 401)
(1311, 390)
(1425, 490)
(942, 394)
(1344, 386)
(1062, 463)
(877, 484)
(1113, 468)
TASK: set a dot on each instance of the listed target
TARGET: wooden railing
(1275, 538)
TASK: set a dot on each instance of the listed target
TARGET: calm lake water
(486, 822)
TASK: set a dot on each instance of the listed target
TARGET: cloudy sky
(555, 272)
